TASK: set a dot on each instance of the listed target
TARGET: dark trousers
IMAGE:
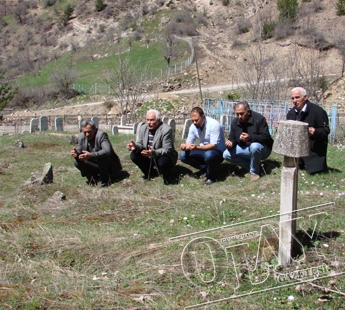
(147, 165)
(95, 169)
(203, 160)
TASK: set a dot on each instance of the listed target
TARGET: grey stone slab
(95, 120)
(292, 139)
(115, 130)
(58, 124)
(43, 123)
(187, 124)
(33, 125)
(172, 124)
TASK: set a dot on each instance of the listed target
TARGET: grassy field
(143, 245)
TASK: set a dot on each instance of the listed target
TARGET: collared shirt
(299, 114)
(212, 133)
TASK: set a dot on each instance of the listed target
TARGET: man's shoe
(254, 177)
(200, 174)
(208, 182)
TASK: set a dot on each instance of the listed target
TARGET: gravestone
(58, 124)
(139, 126)
(165, 119)
(172, 124)
(292, 141)
(123, 120)
(187, 124)
(115, 130)
(95, 120)
(33, 125)
(43, 123)
(223, 120)
(79, 124)
(135, 127)
(47, 175)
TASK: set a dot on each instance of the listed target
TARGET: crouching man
(249, 141)
(154, 152)
(94, 156)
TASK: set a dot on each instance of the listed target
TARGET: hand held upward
(85, 155)
(131, 146)
(188, 147)
(147, 153)
(74, 153)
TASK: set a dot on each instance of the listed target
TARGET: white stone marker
(292, 141)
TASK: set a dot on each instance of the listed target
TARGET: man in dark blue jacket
(318, 129)
(95, 156)
(249, 140)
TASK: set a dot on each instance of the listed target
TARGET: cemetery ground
(69, 246)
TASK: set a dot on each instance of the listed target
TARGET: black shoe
(105, 184)
(91, 182)
(200, 174)
(208, 182)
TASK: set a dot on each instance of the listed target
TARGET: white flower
(291, 298)
(185, 218)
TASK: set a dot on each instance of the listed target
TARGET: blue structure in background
(274, 111)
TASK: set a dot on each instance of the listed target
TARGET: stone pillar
(165, 119)
(292, 141)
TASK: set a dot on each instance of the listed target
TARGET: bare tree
(307, 70)
(62, 80)
(127, 82)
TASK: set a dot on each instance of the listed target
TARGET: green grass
(111, 249)
(96, 71)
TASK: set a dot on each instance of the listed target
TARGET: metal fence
(274, 111)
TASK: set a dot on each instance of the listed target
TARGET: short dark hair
(198, 110)
(244, 103)
(86, 122)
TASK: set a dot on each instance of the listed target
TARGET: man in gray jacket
(154, 148)
(94, 156)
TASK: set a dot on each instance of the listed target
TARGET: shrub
(340, 7)
(46, 3)
(243, 25)
(233, 95)
(99, 5)
(238, 44)
(284, 29)
(268, 29)
(287, 9)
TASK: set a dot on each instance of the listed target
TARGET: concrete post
(292, 141)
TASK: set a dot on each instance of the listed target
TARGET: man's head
(153, 119)
(299, 97)
(242, 111)
(88, 128)
(198, 117)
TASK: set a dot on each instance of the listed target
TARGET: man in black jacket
(94, 156)
(249, 140)
(317, 120)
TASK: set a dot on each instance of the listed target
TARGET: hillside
(229, 44)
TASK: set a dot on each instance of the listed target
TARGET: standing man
(94, 155)
(209, 153)
(317, 120)
(154, 148)
(249, 140)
